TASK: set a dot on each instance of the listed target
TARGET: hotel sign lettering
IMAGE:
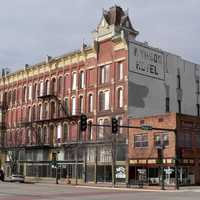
(146, 61)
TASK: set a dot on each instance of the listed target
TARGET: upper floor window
(29, 92)
(33, 113)
(60, 85)
(120, 71)
(141, 140)
(100, 129)
(178, 81)
(47, 87)
(53, 86)
(120, 122)
(24, 94)
(65, 132)
(104, 74)
(90, 103)
(120, 98)
(197, 86)
(82, 80)
(81, 104)
(167, 104)
(74, 76)
(198, 110)
(34, 91)
(161, 140)
(73, 105)
(14, 97)
(41, 88)
(104, 100)
(53, 109)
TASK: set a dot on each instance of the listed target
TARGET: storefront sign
(141, 171)
(168, 170)
(146, 61)
(120, 172)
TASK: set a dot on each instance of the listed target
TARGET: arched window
(74, 77)
(47, 87)
(60, 85)
(90, 103)
(29, 136)
(24, 94)
(73, 105)
(45, 135)
(39, 138)
(81, 104)
(65, 132)
(82, 80)
(45, 111)
(52, 134)
(100, 129)
(40, 111)
(53, 86)
(120, 98)
(34, 91)
(29, 114)
(53, 109)
(33, 113)
(14, 97)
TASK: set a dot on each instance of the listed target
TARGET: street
(17, 191)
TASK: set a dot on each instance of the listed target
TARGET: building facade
(116, 76)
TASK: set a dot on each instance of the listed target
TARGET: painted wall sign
(146, 61)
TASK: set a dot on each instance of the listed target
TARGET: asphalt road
(19, 191)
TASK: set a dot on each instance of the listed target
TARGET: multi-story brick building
(115, 76)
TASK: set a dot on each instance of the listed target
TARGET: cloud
(31, 29)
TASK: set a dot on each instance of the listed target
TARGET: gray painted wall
(151, 81)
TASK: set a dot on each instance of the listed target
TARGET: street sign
(146, 127)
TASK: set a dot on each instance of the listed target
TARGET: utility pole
(113, 159)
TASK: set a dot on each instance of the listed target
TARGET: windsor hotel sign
(146, 61)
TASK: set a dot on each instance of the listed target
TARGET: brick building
(116, 76)
(182, 144)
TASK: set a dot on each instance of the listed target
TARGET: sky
(32, 29)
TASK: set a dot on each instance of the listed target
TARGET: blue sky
(31, 29)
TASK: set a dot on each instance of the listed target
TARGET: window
(104, 74)
(41, 88)
(53, 86)
(47, 87)
(100, 129)
(188, 140)
(178, 81)
(179, 106)
(45, 110)
(34, 91)
(33, 113)
(59, 132)
(66, 105)
(161, 137)
(104, 100)
(23, 95)
(29, 114)
(119, 71)
(198, 140)
(141, 140)
(82, 83)
(198, 110)
(60, 85)
(167, 104)
(30, 92)
(81, 104)
(40, 112)
(14, 97)
(74, 81)
(65, 133)
(53, 109)
(120, 98)
(73, 105)
(90, 103)
(197, 87)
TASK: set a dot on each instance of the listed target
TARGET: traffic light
(114, 125)
(83, 123)
(54, 159)
(160, 156)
